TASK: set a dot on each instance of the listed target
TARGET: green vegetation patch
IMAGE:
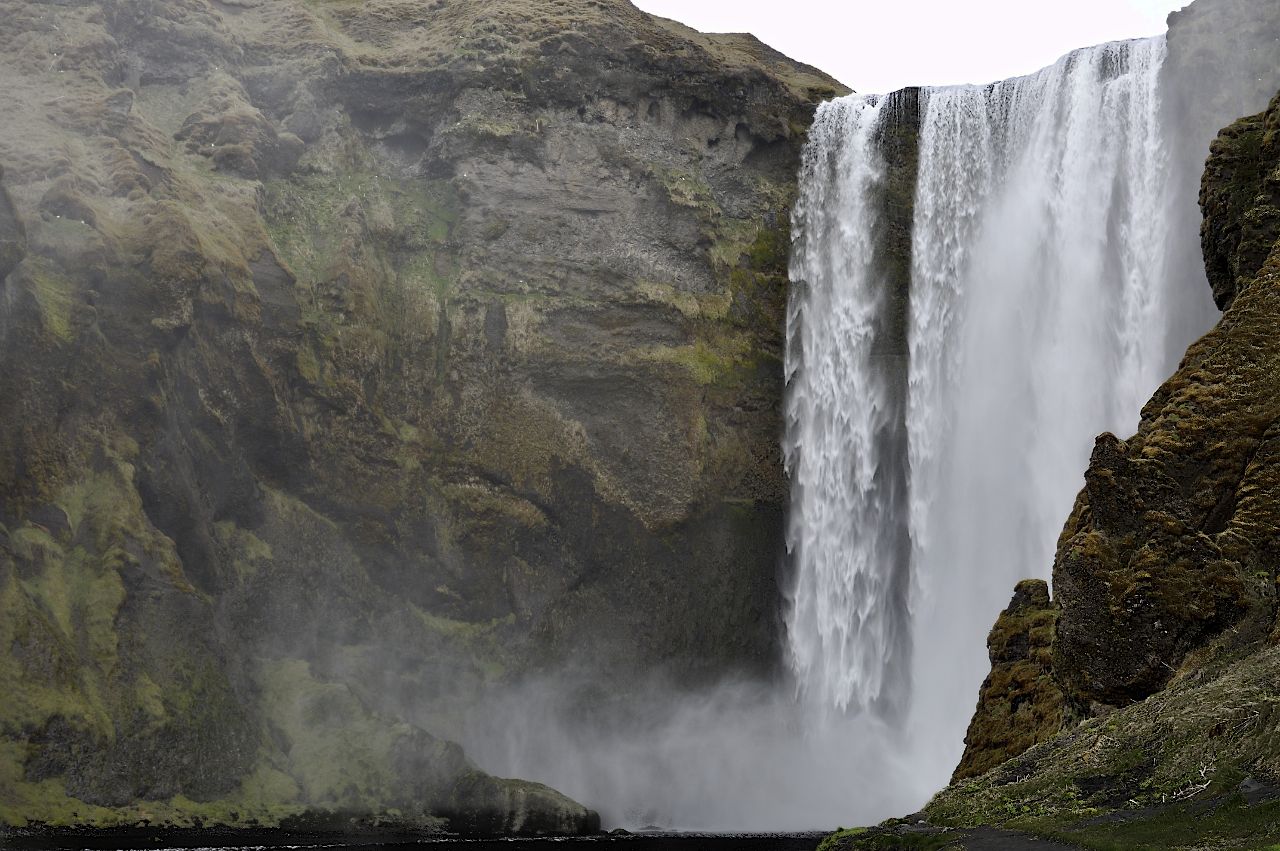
(55, 295)
(1229, 823)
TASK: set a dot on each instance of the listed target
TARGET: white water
(842, 635)
(1038, 318)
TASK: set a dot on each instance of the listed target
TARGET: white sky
(883, 45)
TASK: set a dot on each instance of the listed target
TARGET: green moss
(244, 550)
(55, 294)
(863, 839)
(525, 439)
(1019, 704)
(834, 841)
(714, 306)
(51, 683)
(1192, 742)
(480, 642)
(308, 365)
(484, 504)
(1229, 824)
(715, 358)
(338, 752)
(732, 241)
(264, 799)
(689, 190)
(704, 364)
(63, 611)
(46, 802)
(307, 218)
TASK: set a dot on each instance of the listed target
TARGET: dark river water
(629, 842)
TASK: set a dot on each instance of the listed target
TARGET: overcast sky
(882, 45)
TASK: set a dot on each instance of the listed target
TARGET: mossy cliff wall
(358, 356)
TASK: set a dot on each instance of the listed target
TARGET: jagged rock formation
(1019, 704)
(357, 356)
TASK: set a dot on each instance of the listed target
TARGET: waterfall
(846, 632)
(978, 289)
(1039, 316)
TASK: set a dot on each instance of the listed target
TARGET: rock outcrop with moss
(1019, 703)
(356, 357)
(1145, 535)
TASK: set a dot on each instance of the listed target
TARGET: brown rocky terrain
(358, 356)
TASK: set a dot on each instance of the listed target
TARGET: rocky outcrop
(1240, 197)
(484, 806)
(1019, 703)
(358, 357)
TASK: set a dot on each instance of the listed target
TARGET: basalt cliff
(361, 358)
(358, 356)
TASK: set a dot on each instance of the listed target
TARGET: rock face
(1019, 703)
(357, 357)
(1240, 197)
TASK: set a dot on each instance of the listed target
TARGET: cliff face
(358, 356)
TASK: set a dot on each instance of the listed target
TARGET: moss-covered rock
(1240, 197)
(358, 358)
(487, 806)
(1019, 704)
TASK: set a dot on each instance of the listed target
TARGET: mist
(739, 757)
